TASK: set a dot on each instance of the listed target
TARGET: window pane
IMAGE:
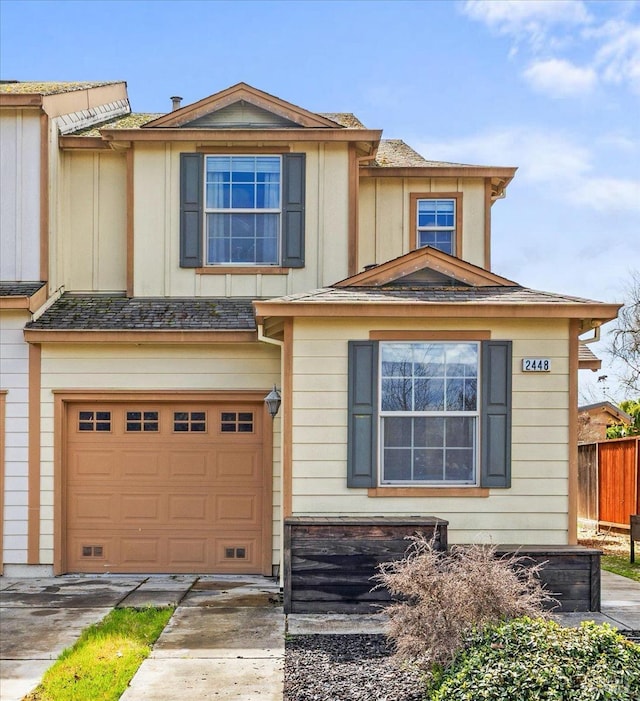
(396, 395)
(397, 464)
(429, 465)
(397, 431)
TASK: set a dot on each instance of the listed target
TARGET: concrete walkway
(224, 642)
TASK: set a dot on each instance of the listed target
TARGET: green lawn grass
(104, 659)
(619, 564)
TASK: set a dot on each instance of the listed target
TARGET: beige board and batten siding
(20, 187)
(157, 228)
(14, 374)
(533, 510)
(148, 368)
(385, 216)
(93, 250)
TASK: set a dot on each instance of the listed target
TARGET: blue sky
(550, 87)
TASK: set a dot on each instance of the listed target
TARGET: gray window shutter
(191, 194)
(495, 419)
(293, 192)
(363, 414)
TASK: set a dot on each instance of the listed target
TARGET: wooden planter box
(329, 562)
(571, 573)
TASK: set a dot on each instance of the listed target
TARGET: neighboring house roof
(587, 358)
(22, 295)
(28, 87)
(606, 408)
(75, 312)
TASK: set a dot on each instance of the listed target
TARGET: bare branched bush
(441, 597)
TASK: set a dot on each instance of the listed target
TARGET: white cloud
(619, 56)
(559, 78)
(540, 155)
(606, 194)
(552, 29)
(551, 160)
(513, 15)
(531, 19)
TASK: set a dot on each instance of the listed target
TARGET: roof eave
(20, 100)
(142, 336)
(30, 303)
(505, 173)
(596, 312)
(244, 135)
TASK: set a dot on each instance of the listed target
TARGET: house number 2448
(536, 365)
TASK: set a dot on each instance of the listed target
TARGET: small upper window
(436, 224)
(243, 210)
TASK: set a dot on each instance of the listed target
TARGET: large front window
(243, 209)
(429, 412)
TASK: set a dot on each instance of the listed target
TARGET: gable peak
(257, 103)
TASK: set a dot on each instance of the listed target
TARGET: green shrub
(444, 596)
(529, 660)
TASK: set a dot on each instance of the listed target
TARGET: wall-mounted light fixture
(273, 401)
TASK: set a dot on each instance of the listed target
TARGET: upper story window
(437, 224)
(429, 412)
(238, 211)
(436, 221)
(243, 210)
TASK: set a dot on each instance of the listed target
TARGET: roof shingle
(115, 313)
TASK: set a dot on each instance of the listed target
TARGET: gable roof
(242, 92)
(423, 258)
(606, 408)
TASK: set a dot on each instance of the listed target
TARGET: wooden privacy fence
(609, 481)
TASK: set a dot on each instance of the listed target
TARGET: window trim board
(413, 217)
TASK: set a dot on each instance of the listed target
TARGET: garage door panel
(238, 511)
(192, 552)
(240, 464)
(92, 464)
(188, 463)
(190, 508)
(143, 496)
(140, 552)
(142, 508)
(91, 508)
(147, 464)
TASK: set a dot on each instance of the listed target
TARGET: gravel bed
(346, 668)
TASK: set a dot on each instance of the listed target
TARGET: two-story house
(192, 261)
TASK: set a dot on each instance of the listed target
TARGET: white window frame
(452, 230)
(383, 414)
(231, 211)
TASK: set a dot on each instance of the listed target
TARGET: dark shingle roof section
(20, 289)
(33, 87)
(434, 295)
(117, 313)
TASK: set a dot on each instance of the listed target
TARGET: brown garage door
(164, 488)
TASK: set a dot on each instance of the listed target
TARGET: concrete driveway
(225, 641)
